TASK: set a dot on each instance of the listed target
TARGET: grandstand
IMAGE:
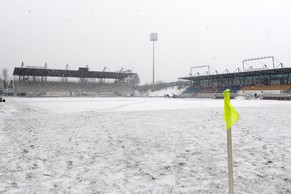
(38, 81)
(251, 81)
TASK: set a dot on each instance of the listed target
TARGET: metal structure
(242, 78)
(202, 68)
(250, 76)
(258, 59)
(83, 73)
(153, 38)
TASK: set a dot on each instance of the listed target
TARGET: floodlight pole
(153, 37)
(153, 66)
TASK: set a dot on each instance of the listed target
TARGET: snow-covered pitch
(142, 145)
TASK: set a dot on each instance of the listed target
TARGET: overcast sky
(115, 33)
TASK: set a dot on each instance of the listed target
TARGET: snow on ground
(170, 91)
(142, 145)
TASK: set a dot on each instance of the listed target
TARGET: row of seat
(234, 89)
(284, 87)
(23, 87)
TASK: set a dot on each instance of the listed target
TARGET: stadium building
(261, 82)
(41, 81)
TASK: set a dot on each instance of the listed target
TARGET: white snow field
(142, 145)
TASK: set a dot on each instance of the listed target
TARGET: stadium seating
(233, 89)
(71, 88)
(208, 90)
(284, 88)
(192, 90)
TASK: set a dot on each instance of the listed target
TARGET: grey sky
(115, 34)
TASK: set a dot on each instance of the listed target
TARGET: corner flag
(230, 114)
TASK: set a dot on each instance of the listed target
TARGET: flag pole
(230, 117)
(230, 169)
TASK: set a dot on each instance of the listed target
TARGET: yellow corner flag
(230, 114)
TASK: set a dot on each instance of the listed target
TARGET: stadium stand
(33, 82)
(251, 81)
(23, 88)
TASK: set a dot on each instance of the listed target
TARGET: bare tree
(5, 77)
(5, 74)
(134, 80)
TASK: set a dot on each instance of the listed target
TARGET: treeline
(6, 82)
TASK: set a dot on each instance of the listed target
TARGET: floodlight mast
(258, 58)
(153, 37)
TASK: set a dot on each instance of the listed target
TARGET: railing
(283, 96)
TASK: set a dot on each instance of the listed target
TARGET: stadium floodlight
(153, 37)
